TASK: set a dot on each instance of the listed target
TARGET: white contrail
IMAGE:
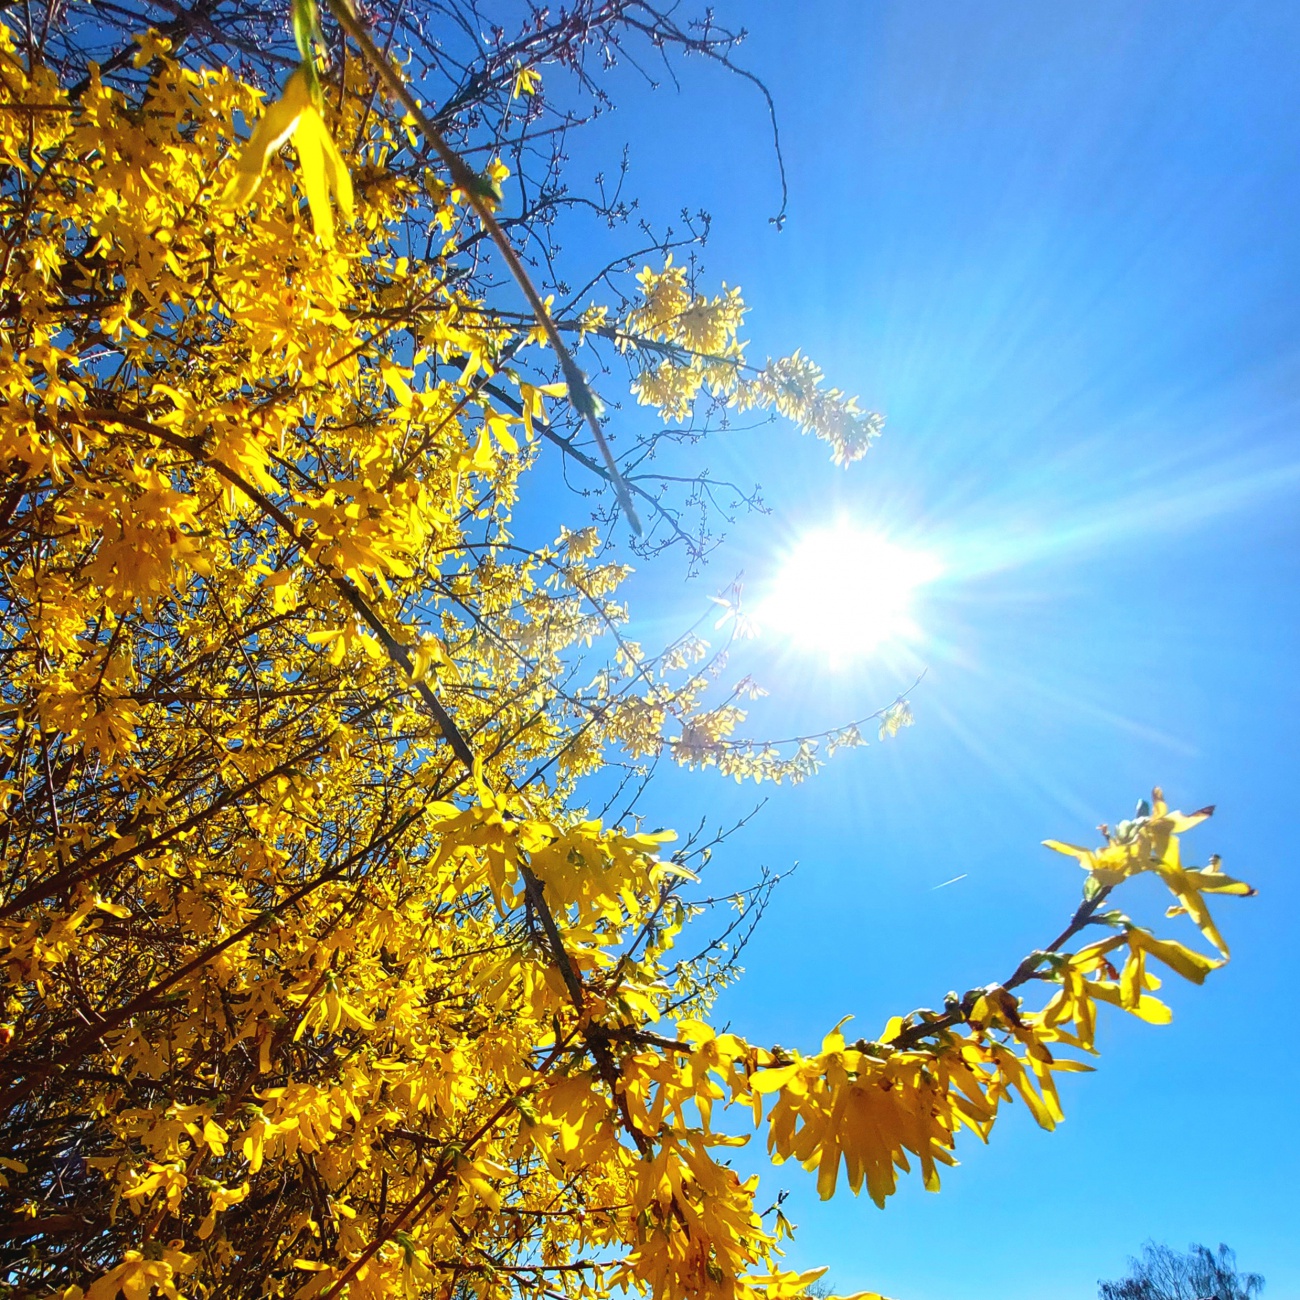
(953, 881)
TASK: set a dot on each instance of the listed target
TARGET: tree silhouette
(1200, 1274)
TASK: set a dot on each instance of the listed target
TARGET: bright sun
(844, 591)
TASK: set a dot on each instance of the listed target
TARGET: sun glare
(844, 592)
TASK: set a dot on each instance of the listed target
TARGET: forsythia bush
(315, 980)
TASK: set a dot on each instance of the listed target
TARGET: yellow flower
(527, 81)
(321, 165)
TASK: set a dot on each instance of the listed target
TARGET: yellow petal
(311, 167)
(336, 173)
(772, 1080)
(1084, 856)
(276, 125)
(1190, 965)
(240, 190)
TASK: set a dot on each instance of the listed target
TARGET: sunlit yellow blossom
(527, 82)
(321, 166)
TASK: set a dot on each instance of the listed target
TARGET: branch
(956, 1015)
(471, 185)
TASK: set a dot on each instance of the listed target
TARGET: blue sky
(1057, 245)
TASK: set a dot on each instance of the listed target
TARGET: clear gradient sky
(1058, 245)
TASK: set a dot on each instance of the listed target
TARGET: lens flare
(844, 592)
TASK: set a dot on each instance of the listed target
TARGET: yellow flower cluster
(696, 341)
(792, 386)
